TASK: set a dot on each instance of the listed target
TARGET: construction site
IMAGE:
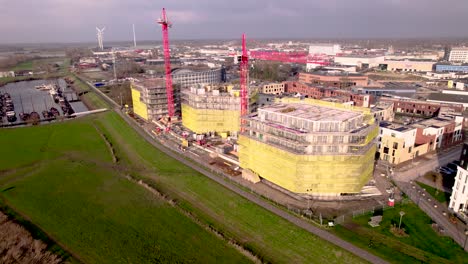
(308, 147)
(149, 98)
(305, 148)
(211, 109)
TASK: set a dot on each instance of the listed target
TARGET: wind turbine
(100, 33)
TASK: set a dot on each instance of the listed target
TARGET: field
(76, 194)
(68, 165)
(40, 64)
(421, 245)
(439, 195)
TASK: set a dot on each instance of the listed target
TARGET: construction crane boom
(244, 76)
(165, 24)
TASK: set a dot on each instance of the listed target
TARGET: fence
(356, 213)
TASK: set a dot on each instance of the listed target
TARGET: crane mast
(165, 24)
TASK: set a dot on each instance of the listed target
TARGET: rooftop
(334, 73)
(433, 122)
(453, 98)
(394, 126)
(311, 112)
(151, 83)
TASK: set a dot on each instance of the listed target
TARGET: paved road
(426, 203)
(413, 170)
(253, 198)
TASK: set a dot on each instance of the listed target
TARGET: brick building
(333, 79)
(321, 93)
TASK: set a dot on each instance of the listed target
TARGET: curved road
(251, 197)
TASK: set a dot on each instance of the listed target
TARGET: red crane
(165, 24)
(244, 76)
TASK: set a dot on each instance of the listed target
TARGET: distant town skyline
(63, 21)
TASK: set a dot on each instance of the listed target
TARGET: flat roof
(311, 112)
(434, 122)
(394, 126)
(453, 98)
(334, 73)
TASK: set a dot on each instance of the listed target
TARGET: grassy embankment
(439, 195)
(67, 185)
(421, 245)
(72, 173)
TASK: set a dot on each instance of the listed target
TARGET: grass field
(268, 235)
(38, 64)
(68, 167)
(439, 195)
(68, 186)
(422, 244)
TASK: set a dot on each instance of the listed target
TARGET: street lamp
(401, 216)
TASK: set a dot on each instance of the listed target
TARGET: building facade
(149, 98)
(362, 61)
(188, 78)
(459, 54)
(398, 143)
(459, 198)
(211, 109)
(451, 68)
(338, 95)
(327, 49)
(416, 107)
(273, 88)
(333, 79)
(319, 149)
(409, 66)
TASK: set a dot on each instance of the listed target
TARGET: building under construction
(309, 147)
(211, 108)
(149, 98)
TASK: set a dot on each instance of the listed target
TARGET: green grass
(25, 65)
(269, 236)
(77, 195)
(37, 64)
(74, 193)
(439, 195)
(93, 101)
(422, 245)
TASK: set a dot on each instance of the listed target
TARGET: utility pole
(113, 64)
(134, 36)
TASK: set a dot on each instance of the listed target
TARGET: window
(395, 145)
(385, 150)
(409, 149)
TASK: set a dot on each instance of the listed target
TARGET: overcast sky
(31, 21)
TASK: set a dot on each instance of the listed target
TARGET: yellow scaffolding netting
(308, 174)
(208, 120)
(139, 108)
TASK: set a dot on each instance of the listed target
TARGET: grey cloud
(71, 21)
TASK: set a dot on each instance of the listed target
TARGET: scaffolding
(319, 149)
(211, 109)
(318, 175)
(139, 108)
